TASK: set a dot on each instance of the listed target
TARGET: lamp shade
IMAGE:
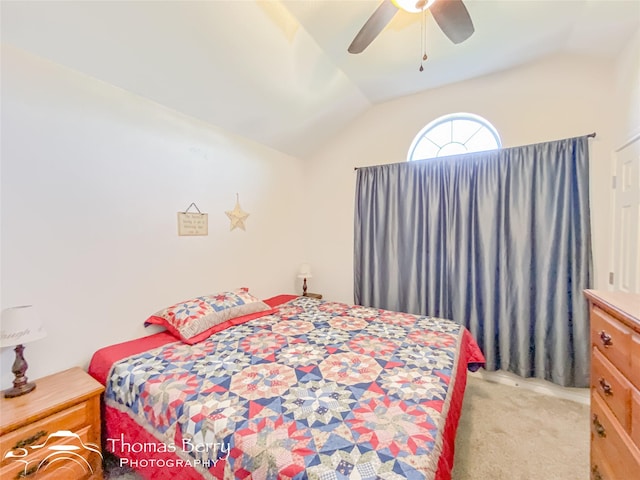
(304, 271)
(19, 325)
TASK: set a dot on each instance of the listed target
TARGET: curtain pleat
(498, 241)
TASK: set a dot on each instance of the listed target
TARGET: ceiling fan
(451, 16)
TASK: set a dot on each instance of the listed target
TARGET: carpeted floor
(506, 433)
(511, 433)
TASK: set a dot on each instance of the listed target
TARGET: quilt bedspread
(318, 390)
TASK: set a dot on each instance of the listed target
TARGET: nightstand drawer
(48, 463)
(36, 433)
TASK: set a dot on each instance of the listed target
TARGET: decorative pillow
(196, 319)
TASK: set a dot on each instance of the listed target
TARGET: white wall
(558, 97)
(627, 93)
(92, 178)
(626, 261)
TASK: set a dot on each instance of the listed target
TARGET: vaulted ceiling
(278, 72)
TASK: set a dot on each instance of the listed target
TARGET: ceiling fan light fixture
(413, 6)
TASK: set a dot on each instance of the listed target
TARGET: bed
(304, 389)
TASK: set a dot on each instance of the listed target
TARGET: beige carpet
(510, 433)
(506, 433)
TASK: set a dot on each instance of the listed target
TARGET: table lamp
(304, 272)
(20, 325)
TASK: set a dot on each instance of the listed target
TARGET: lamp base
(20, 384)
(21, 390)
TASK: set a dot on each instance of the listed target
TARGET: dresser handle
(595, 473)
(605, 338)
(32, 470)
(606, 387)
(598, 426)
(28, 441)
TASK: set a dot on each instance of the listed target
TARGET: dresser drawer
(600, 469)
(635, 360)
(36, 433)
(612, 387)
(612, 442)
(47, 463)
(612, 339)
(635, 416)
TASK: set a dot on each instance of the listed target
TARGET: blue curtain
(498, 241)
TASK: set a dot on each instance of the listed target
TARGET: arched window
(454, 134)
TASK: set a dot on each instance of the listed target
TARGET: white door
(626, 240)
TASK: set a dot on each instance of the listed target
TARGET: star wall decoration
(237, 216)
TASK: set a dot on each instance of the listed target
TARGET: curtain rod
(590, 135)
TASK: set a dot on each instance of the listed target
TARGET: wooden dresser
(63, 410)
(615, 385)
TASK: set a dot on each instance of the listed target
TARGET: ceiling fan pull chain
(423, 39)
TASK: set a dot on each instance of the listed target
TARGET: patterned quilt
(320, 390)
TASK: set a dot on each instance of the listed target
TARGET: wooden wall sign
(193, 224)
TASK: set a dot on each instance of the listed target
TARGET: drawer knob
(605, 338)
(599, 427)
(606, 387)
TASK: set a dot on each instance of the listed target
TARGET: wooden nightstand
(313, 295)
(68, 401)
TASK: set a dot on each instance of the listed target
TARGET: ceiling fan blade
(373, 26)
(453, 19)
